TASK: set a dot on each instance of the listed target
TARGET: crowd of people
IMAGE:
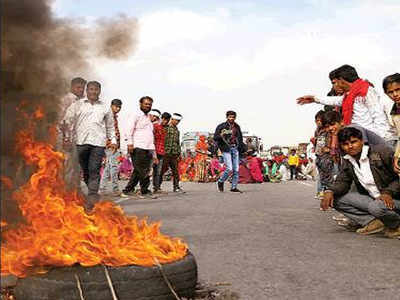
(89, 134)
(355, 141)
(357, 150)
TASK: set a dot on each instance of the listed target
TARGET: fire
(38, 114)
(58, 232)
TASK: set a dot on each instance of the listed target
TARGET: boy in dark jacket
(229, 139)
(376, 203)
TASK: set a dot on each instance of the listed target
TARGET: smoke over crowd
(40, 54)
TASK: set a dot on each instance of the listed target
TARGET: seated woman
(271, 172)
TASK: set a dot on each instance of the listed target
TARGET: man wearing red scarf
(360, 103)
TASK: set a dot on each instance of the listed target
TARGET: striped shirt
(94, 123)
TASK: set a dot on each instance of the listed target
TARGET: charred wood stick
(165, 278)
(110, 284)
(78, 284)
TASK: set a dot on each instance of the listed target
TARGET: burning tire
(130, 282)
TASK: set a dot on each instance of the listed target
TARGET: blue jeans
(110, 170)
(231, 160)
(363, 209)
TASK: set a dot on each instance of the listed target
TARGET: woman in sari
(200, 160)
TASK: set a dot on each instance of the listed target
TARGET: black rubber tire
(130, 282)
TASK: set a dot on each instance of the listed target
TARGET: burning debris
(58, 232)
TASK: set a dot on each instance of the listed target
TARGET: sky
(202, 58)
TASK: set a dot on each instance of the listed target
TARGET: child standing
(324, 160)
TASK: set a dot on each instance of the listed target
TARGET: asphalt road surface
(273, 242)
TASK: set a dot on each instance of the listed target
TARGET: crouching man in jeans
(376, 204)
(229, 139)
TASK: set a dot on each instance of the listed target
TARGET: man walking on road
(141, 149)
(160, 132)
(173, 150)
(229, 139)
(111, 166)
(94, 126)
(376, 204)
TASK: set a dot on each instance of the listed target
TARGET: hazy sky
(202, 58)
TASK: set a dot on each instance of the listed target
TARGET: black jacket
(222, 138)
(381, 163)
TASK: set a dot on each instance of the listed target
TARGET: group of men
(358, 143)
(89, 131)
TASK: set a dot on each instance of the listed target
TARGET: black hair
(332, 92)
(116, 102)
(166, 116)
(331, 117)
(346, 133)
(156, 110)
(78, 80)
(145, 98)
(394, 78)
(230, 113)
(95, 83)
(319, 114)
(345, 72)
(329, 108)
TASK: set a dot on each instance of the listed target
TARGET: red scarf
(358, 88)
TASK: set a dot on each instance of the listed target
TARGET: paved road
(272, 242)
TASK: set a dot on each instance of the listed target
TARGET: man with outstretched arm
(360, 102)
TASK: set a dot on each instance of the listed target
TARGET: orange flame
(58, 232)
(38, 114)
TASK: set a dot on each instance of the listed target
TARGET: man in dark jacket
(229, 139)
(376, 203)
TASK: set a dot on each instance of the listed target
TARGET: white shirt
(392, 133)
(142, 135)
(93, 123)
(364, 173)
(368, 112)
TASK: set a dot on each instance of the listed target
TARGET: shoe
(392, 233)
(148, 195)
(179, 190)
(160, 192)
(220, 186)
(372, 227)
(127, 194)
(340, 217)
(236, 190)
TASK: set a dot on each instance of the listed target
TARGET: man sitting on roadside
(376, 203)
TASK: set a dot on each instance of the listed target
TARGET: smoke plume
(40, 54)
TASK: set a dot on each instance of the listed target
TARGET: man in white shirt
(360, 103)
(376, 203)
(93, 125)
(65, 136)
